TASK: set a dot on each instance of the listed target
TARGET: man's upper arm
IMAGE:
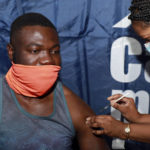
(88, 141)
(79, 111)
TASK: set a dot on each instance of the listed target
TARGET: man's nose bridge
(46, 57)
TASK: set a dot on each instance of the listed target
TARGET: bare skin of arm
(128, 109)
(114, 128)
(79, 112)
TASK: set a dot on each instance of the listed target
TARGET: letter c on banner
(117, 62)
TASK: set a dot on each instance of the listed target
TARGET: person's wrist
(136, 118)
(125, 131)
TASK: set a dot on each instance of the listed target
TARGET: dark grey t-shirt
(20, 130)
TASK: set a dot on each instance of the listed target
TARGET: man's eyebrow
(40, 45)
(56, 45)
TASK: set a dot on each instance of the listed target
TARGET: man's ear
(10, 51)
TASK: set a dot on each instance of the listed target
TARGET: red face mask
(32, 81)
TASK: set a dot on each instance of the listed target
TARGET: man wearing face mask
(138, 127)
(37, 112)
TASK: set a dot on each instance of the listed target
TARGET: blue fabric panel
(101, 54)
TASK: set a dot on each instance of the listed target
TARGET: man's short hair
(140, 10)
(29, 19)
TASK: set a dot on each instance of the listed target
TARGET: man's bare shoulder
(78, 108)
(75, 100)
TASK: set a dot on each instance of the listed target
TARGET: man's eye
(34, 51)
(54, 52)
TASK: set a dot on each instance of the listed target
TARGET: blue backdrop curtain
(101, 54)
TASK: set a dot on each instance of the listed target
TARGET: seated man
(37, 111)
